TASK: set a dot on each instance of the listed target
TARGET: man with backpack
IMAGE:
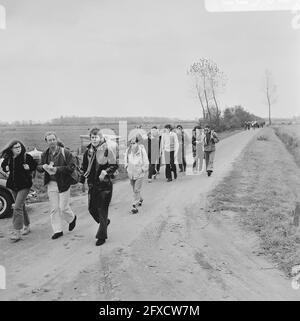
(98, 167)
(59, 168)
(210, 140)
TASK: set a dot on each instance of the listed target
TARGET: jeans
(181, 158)
(170, 165)
(209, 160)
(182, 166)
(99, 200)
(153, 169)
(59, 207)
(20, 215)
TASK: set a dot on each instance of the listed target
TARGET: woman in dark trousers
(19, 181)
(99, 164)
(153, 148)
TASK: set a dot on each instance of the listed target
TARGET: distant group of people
(98, 167)
(254, 124)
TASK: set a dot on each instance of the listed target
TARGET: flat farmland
(32, 136)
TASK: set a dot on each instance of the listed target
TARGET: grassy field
(262, 190)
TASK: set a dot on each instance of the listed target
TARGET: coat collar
(101, 146)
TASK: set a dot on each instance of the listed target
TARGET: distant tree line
(232, 118)
(75, 120)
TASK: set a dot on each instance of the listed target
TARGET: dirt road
(174, 249)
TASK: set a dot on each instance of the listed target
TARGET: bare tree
(217, 81)
(209, 81)
(270, 91)
(199, 72)
(199, 83)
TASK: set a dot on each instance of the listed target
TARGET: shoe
(100, 242)
(108, 221)
(16, 236)
(140, 203)
(149, 180)
(209, 173)
(134, 210)
(26, 230)
(57, 235)
(72, 224)
(169, 180)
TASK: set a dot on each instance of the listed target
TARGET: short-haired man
(57, 164)
(99, 164)
(169, 149)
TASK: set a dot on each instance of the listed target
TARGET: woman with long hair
(19, 165)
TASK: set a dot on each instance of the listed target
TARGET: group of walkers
(99, 165)
(254, 124)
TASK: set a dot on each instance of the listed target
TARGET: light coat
(136, 162)
(165, 146)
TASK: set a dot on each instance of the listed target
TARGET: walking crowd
(61, 169)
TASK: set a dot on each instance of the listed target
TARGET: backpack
(76, 174)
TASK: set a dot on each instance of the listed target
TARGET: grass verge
(262, 189)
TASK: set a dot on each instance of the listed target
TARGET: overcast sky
(129, 58)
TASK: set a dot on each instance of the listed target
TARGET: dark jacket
(102, 158)
(19, 178)
(65, 167)
(153, 149)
